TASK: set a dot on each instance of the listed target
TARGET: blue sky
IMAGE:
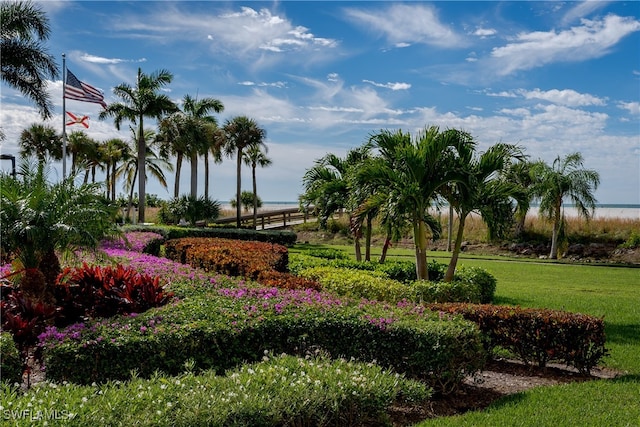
(554, 77)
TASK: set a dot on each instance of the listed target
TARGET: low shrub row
(226, 327)
(538, 335)
(10, 360)
(280, 391)
(376, 285)
(225, 256)
(281, 237)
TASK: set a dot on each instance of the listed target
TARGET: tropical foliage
(565, 178)
(38, 218)
(25, 64)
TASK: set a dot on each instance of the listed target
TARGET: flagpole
(64, 113)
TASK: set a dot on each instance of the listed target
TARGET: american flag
(75, 89)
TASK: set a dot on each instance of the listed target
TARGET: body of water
(602, 211)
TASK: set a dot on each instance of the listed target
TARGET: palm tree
(216, 142)
(241, 132)
(174, 140)
(198, 111)
(113, 151)
(25, 64)
(254, 157)
(37, 218)
(78, 144)
(139, 102)
(566, 177)
(40, 141)
(479, 189)
(520, 174)
(411, 171)
(154, 163)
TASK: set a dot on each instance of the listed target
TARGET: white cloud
(406, 24)
(244, 33)
(632, 107)
(583, 9)
(563, 97)
(392, 86)
(101, 60)
(592, 39)
(485, 32)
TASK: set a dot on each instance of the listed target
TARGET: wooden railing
(280, 218)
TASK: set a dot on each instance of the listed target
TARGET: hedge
(282, 237)
(233, 326)
(538, 335)
(280, 391)
(227, 256)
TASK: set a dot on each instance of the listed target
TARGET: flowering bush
(137, 241)
(277, 391)
(220, 328)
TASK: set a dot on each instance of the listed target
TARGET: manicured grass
(610, 403)
(612, 292)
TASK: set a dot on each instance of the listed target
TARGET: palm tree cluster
(402, 180)
(191, 131)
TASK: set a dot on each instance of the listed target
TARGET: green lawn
(612, 292)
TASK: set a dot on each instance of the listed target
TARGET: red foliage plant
(96, 291)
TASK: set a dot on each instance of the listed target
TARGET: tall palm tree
(198, 110)
(138, 102)
(130, 170)
(565, 178)
(254, 157)
(41, 141)
(78, 144)
(25, 64)
(479, 188)
(411, 171)
(241, 132)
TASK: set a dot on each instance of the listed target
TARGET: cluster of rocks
(576, 251)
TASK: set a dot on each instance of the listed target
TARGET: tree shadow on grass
(623, 333)
(509, 301)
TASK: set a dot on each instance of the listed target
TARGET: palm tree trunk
(554, 234)
(176, 184)
(385, 248)
(238, 185)
(135, 174)
(255, 196)
(420, 239)
(367, 238)
(194, 175)
(448, 277)
(206, 174)
(108, 182)
(113, 179)
(142, 173)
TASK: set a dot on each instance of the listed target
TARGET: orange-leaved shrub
(537, 335)
(226, 256)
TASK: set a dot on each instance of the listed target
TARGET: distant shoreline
(626, 211)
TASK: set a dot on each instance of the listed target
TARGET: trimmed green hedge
(221, 331)
(10, 362)
(376, 285)
(282, 237)
(281, 391)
